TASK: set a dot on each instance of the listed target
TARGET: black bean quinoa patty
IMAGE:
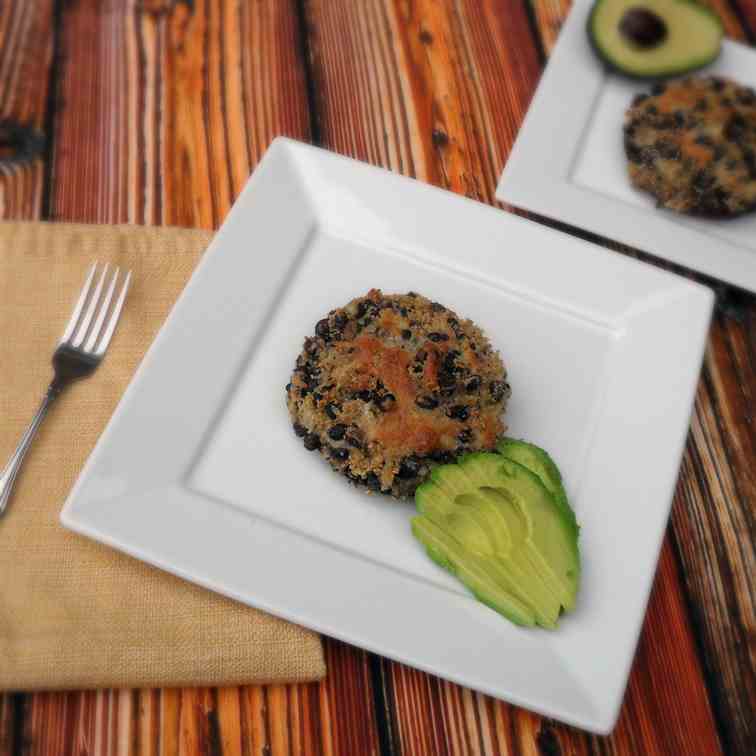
(392, 385)
(692, 144)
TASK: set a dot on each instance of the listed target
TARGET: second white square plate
(199, 471)
(568, 162)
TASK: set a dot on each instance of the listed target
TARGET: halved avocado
(654, 38)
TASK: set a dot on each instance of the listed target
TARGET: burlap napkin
(73, 613)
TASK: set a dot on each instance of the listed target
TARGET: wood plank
(26, 44)
(449, 89)
(176, 108)
(8, 723)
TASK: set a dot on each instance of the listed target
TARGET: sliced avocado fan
(492, 522)
(654, 38)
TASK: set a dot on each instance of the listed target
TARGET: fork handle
(8, 475)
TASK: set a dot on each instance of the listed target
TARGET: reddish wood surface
(159, 111)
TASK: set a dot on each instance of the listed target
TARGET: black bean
(465, 436)
(406, 334)
(412, 294)
(658, 88)
(717, 84)
(639, 98)
(355, 442)
(634, 154)
(312, 442)
(300, 430)
(332, 409)
(323, 329)
(403, 312)
(679, 117)
(667, 149)
(435, 336)
(386, 402)
(473, 384)
(498, 390)
(652, 110)
(702, 181)
(446, 380)
(366, 395)
(458, 412)
(372, 482)
(409, 468)
(443, 456)
(362, 308)
(336, 432)
(704, 140)
(426, 402)
(436, 307)
(288, 387)
(340, 454)
(340, 320)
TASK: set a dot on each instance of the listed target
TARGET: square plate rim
(87, 522)
(537, 179)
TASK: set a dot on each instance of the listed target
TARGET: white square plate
(199, 472)
(568, 162)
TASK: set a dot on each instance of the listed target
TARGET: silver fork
(79, 352)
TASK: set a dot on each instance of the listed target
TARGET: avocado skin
(612, 67)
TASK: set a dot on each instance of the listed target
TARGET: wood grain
(177, 107)
(26, 43)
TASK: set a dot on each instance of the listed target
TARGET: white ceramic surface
(568, 162)
(199, 473)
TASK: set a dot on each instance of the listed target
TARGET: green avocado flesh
(653, 38)
(502, 525)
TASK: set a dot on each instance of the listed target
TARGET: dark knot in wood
(19, 143)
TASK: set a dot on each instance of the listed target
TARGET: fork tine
(83, 327)
(114, 317)
(79, 305)
(100, 319)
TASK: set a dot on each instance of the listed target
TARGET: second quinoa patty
(692, 144)
(391, 385)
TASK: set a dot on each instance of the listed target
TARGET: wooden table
(155, 112)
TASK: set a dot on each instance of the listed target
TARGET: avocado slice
(504, 536)
(654, 38)
(538, 461)
(475, 572)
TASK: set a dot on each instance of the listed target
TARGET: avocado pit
(643, 28)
